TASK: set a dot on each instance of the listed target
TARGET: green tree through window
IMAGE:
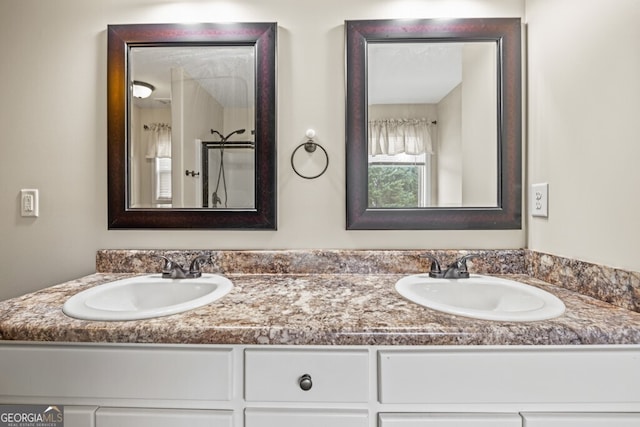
(393, 186)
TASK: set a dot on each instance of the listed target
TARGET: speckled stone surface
(608, 284)
(316, 309)
(312, 261)
(615, 286)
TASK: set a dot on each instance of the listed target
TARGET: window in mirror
(399, 180)
(162, 180)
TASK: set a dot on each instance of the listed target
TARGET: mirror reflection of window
(162, 181)
(158, 161)
(399, 181)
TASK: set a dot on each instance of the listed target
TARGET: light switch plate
(540, 200)
(29, 202)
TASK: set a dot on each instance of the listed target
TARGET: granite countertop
(316, 309)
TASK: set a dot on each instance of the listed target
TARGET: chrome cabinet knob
(305, 382)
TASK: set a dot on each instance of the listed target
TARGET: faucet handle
(196, 263)
(169, 268)
(435, 270)
(168, 264)
(461, 264)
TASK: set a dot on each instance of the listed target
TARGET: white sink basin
(481, 297)
(144, 297)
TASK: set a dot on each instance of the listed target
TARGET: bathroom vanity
(288, 348)
(350, 386)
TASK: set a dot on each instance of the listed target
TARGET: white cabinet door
(581, 420)
(450, 420)
(135, 417)
(305, 418)
(182, 374)
(79, 416)
(505, 375)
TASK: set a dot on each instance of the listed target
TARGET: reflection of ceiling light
(142, 89)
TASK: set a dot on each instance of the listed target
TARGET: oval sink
(144, 297)
(481, 297)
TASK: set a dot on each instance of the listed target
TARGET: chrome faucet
(173, 270)
(456, 270)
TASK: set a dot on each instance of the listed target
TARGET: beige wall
(53, 124)
(584, 105)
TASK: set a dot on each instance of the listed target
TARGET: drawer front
(581, 420)
(133, 417)
(116, 372)
(333, 376)
(520, 375)
(449, 420)
(306, 418)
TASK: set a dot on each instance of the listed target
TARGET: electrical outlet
(540, 200)
(29, 202)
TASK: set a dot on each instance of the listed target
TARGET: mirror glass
(432, 128)
(434, 124)
(191, 121)
(200, 93)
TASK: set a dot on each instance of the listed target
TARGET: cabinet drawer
(305, 417)
(581, 420)
(449, 420)
(334, 376)
(94, 373)
(134, 417)
(518, 375)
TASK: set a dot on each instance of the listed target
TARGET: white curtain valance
(395, 136)
(158, 140)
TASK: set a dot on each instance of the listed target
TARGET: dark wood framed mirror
(203, 82)
(434, 124)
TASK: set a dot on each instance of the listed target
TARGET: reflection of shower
(215, 199)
